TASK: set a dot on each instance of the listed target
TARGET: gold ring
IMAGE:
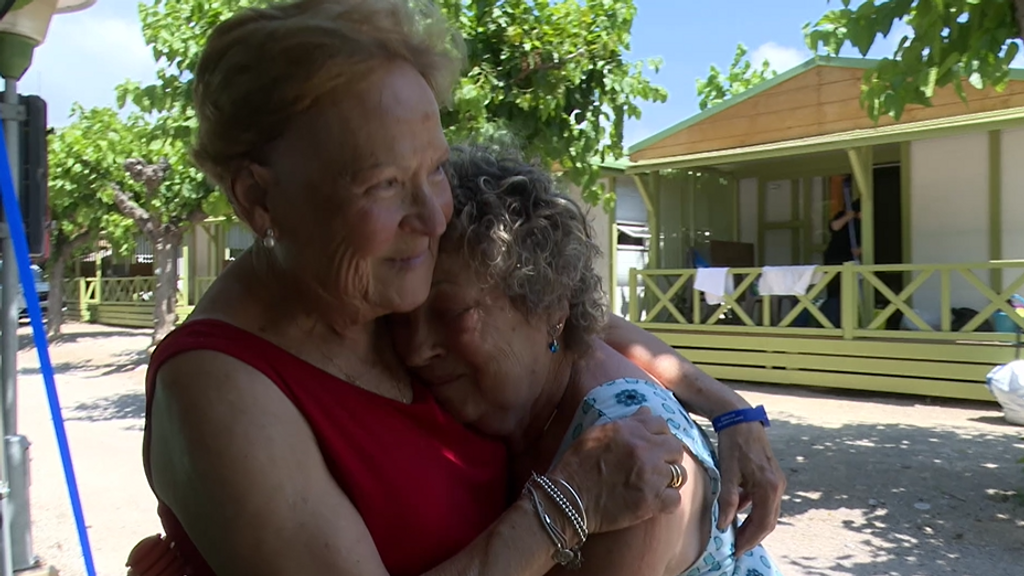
(678, 476)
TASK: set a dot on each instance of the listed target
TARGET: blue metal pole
(16, 230)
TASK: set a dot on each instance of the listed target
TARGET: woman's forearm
(618, 473)
(696, 390)
(837, 224)
(515, 545)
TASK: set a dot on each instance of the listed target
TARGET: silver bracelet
(577, 521)
(579, 501)
(563, 554)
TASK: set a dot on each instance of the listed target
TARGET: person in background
(843, 246)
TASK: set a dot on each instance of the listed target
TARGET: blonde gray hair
(263, 67)
(527, 237)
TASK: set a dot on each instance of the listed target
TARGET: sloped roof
(1013, 117)
(817, 98)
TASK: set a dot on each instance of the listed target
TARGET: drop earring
(553, 346)
(269, 240)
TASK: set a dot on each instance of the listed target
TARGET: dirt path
(888, 485)
(877, 485)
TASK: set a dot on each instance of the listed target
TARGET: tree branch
(534, 63)
(149, 175)
(64, 248)
(137, 213)
(197, 216)
(76, 242)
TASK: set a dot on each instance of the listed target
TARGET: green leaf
(740, 77)
(949, 38)
(958, 86)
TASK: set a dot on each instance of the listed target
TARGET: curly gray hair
(521, 233)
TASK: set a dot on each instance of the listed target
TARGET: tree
(169, 194)
(951, 40)
(83, 163)
(554, 74)
(168, 202)
(741, 76)
(102, 174)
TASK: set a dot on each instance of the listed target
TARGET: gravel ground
(878, 485)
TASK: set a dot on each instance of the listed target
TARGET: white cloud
(780, 57)
(85, 56)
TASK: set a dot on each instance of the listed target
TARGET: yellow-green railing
(867, 304)
(133, 289)
(84, 291)
(79, 295)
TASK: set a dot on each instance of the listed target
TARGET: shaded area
(74, 333)
(123, 406)
(909, 499)
(125, 361)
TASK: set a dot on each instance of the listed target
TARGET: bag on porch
(1006, 383)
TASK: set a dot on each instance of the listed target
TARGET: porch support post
(794, 217)
(862, 164)
(649, 194)
(186, 270)
(99, 276)
(906, 223)
(995, 205)
(735, 191)
(613, 248)
(762, 219)
(806, 221)
(222, 244)
(690, 205)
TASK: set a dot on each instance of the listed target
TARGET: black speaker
(32, 176)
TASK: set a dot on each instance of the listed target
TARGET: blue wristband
(730, 419)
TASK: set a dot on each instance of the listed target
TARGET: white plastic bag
(1006, 383)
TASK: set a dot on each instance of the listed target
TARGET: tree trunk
(1019, 5)
(55, 308)
(165, 297)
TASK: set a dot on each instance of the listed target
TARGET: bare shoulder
(240, 468)
(604, 364)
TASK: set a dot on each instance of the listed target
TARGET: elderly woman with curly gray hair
(509, 343)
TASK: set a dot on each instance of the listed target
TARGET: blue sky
(88, 53)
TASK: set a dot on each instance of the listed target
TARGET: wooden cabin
(751, 186)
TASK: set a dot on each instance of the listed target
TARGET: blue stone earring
(553, 346)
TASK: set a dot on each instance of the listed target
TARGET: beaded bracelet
(564, 555)
(556, 495)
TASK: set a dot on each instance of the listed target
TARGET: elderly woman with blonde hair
(283, 434)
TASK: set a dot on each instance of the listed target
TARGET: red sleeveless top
(424, 485)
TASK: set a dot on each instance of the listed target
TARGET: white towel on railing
(714, 283)
(787, 280)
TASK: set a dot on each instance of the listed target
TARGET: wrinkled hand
(155, 556)
(750, 476)
(621, 471)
